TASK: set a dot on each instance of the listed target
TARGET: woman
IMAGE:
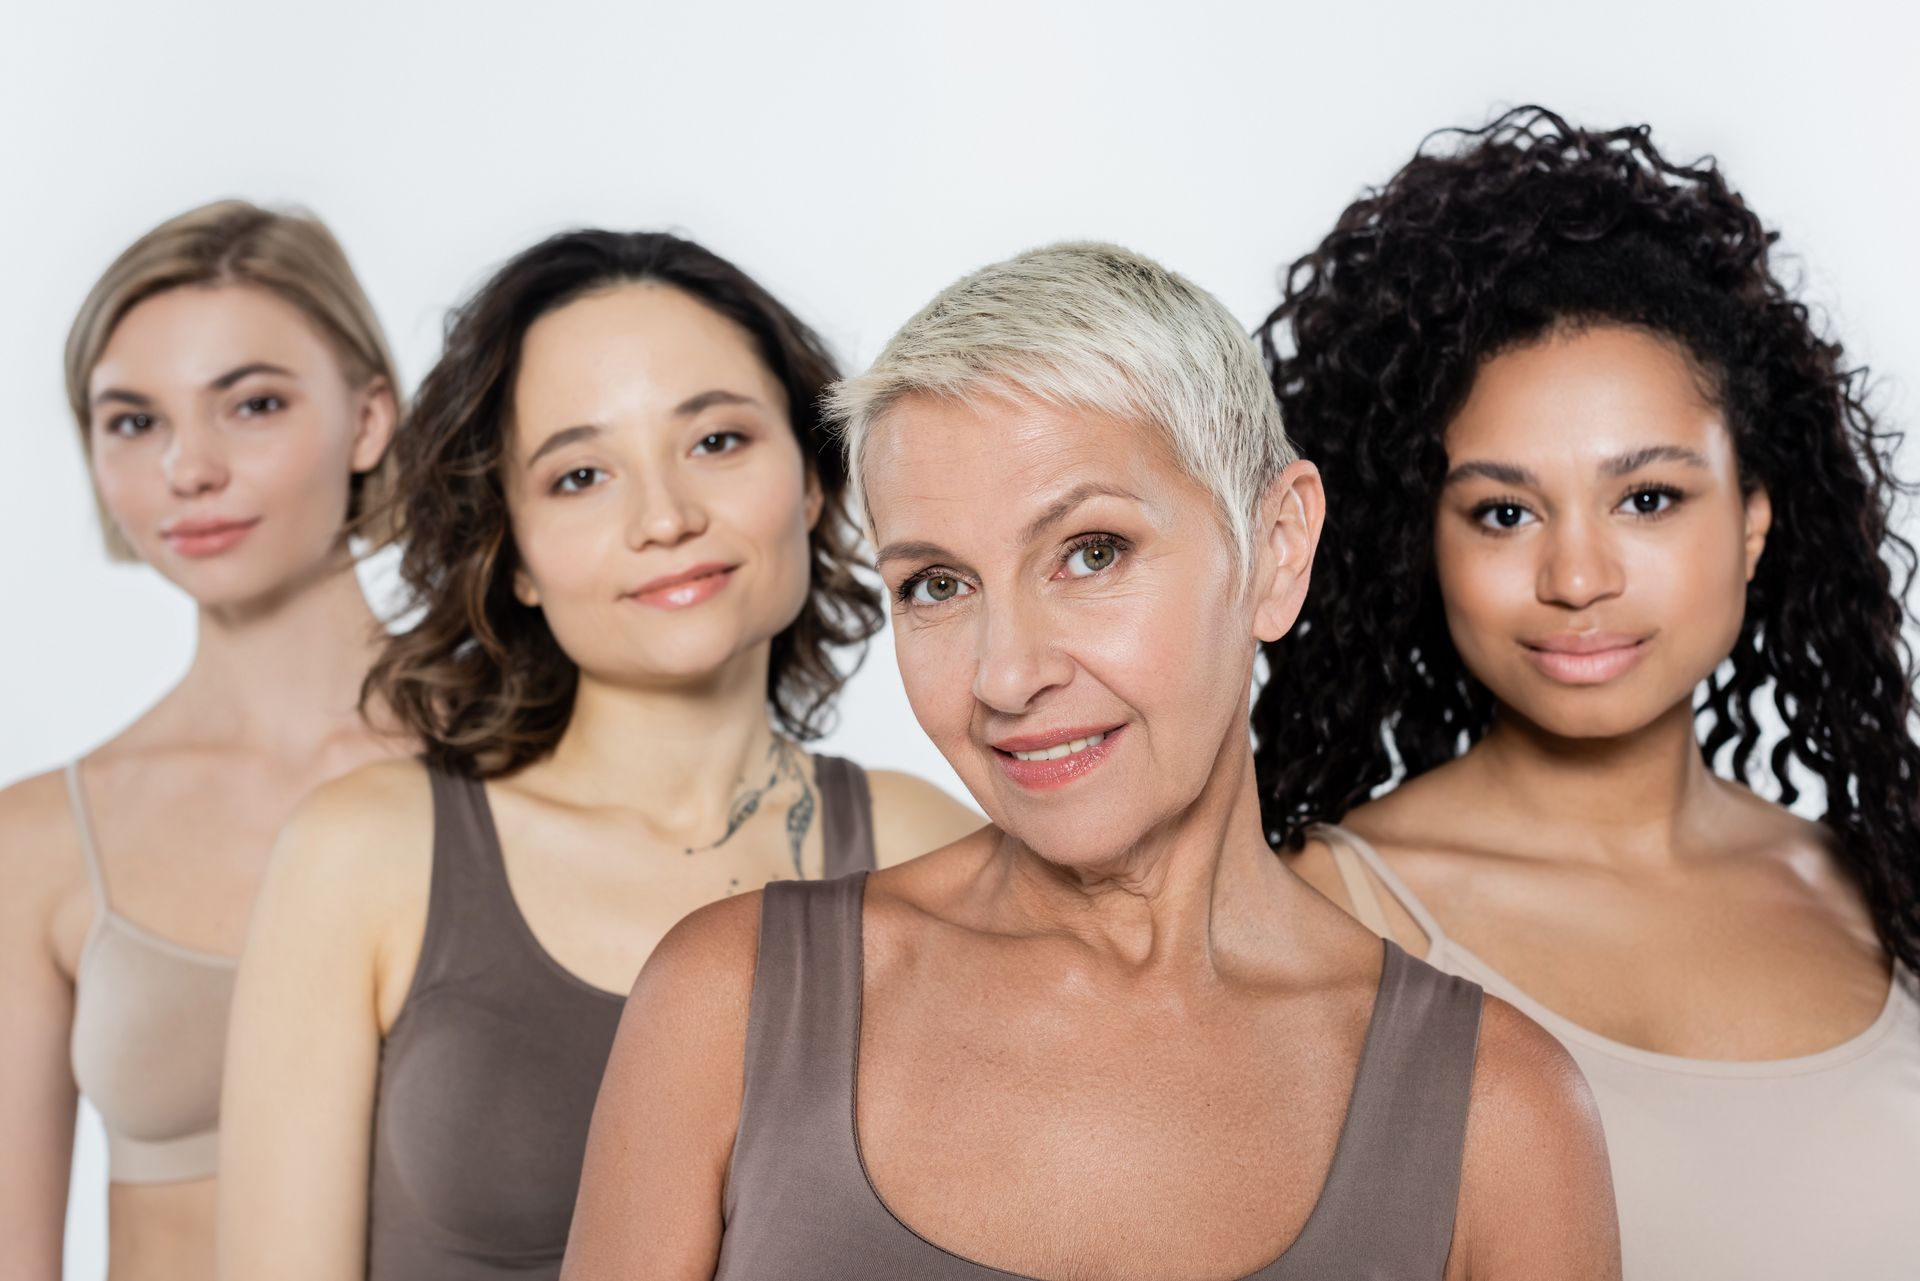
(626, 529)
(1109, 1035)
(235, 398)
(1598, 481)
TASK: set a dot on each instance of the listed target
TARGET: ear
(379, 416)
(816, 499)
(1290, 518)
(524, 590)
(1759, 521)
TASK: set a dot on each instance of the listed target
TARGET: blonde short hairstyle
(1099, 328)
(288, 252)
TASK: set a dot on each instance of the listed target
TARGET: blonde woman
(235, 398)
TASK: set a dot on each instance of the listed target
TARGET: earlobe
(816, 499)
(379, 417)
(524, 591)
(1759, 522)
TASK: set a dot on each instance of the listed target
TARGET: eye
(1651, 501)
(579, 478)
(1502, 515)
(719, 442)
(255, 406)
(129, 425)
(1092, 556)
(934, 589)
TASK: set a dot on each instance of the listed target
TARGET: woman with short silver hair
(1110, 1035)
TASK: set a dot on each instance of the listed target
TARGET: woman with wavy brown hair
(626, 535)
(234, 398)
(1609, 577)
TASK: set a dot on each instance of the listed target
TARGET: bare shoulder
(1536, 1195)
(39, 841)
(1314, 863)
(912, 816)
(701, 974)
(361, 840)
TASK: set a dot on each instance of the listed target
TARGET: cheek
(1483, 586)
(562, 547)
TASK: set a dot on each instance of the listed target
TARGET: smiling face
(1592, 541)
(224, 434)
(659, 501)
(1068, 615)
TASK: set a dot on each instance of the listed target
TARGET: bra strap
(1359, 862)
(846, 816)
(1366, 904)
(83, 823)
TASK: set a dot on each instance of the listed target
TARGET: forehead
(192, 335)
(636, 348)
(937, 467)
(1591, 393)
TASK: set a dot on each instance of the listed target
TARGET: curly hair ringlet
(479, 677)
(1514, 231)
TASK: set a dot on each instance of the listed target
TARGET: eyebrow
(708, 399)
(561, 439)
(222, 383)
(1619, 465)
(1063, 506)
(914, 550)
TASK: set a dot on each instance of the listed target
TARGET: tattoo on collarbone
(785, 761)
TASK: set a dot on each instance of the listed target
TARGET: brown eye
(942, 588)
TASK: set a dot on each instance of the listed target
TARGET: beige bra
(149, 1035)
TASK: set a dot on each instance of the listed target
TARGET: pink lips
(208, 536)
(1586, 658)
(687, 588)
(1060, 771)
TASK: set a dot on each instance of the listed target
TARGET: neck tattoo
(784, 762)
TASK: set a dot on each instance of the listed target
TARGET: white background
(855, 157)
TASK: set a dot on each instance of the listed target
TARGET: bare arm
(1536, 1193)
(303, 1052)
(911, 816)
(37, 1092)
(663, 1127)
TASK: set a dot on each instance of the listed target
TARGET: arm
(37, 1091)
(663, 1127)
(303, 1050)
(1536, 1193)
(911, 816)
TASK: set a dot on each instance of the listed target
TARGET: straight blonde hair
(288, 252)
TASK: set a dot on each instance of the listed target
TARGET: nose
(666, 510)
(1579, 566)
(195, 461)
(1017, 659)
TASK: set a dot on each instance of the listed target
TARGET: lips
(207, 535)
(1054, 758)
(1586, 658)
(686, 588)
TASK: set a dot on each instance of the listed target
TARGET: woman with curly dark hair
(626, 537)
(1606, 511)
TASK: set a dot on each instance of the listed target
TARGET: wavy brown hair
(1488, 240)
(479, 677)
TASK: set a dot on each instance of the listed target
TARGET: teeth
(1059, 750)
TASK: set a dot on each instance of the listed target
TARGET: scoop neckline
(1271, 1270)
(1439, 942)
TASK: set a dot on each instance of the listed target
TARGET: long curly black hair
(1489, 239)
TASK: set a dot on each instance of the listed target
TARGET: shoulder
(1315, 864)
(40, 857)
(700, 976)
(912, 816)
(359, 842)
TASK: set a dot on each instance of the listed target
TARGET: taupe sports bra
(149, 1035)
(489, 1074)
(799, 1205)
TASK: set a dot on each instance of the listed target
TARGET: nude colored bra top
(489, 1074)
(149, 1035)
(1770, 1170)
(799, 1205)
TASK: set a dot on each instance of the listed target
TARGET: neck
(1198, 886)
(284, 672)
(1638, 797)
(678, 753)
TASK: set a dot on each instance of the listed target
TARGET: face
(1592, 541)
(224, 434)
(1069, 616)
(659, 499)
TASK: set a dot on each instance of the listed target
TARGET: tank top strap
(796, 1132)
(1349, 847)
(83, 824)
(470, 908)
(1392, 1194)
(846, 822)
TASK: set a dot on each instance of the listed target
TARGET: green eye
(937, 589)
(1092, 558)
